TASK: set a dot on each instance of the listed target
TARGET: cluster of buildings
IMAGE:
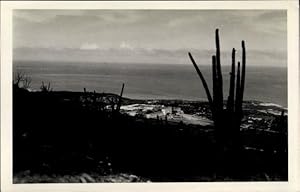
(170, 113)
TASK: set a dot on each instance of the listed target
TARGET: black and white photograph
(149, 95)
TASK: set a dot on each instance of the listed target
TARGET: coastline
(195, 112)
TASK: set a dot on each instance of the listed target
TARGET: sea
(152, 81)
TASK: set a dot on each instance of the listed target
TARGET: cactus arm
(203, 82)
(230, 101)
(238, 88)
(215, 88)
(120, 99)
(243, 71)
(219, 73)
(215, 80)
(240, 91)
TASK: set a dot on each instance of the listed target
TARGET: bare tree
(26, 82)
(21, 80)
(18, 78)
(45, 88)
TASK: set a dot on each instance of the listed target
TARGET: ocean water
(153, 81)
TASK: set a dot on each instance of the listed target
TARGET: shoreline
(193, 112)
(163, 100)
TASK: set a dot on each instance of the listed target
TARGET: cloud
(149, 29)
(155, 56)
(126, 45)
(39, 16)
(33, 16)
(89, 46)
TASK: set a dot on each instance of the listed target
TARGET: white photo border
(292, 8)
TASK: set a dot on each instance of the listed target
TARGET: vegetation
(21, 81)
(227, 121)
(45, 88)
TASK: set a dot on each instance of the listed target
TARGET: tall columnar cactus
(226, 120)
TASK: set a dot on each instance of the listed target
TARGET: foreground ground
(82, 137)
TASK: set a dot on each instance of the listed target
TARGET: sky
(149, 36)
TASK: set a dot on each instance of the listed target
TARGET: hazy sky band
(137, 35)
